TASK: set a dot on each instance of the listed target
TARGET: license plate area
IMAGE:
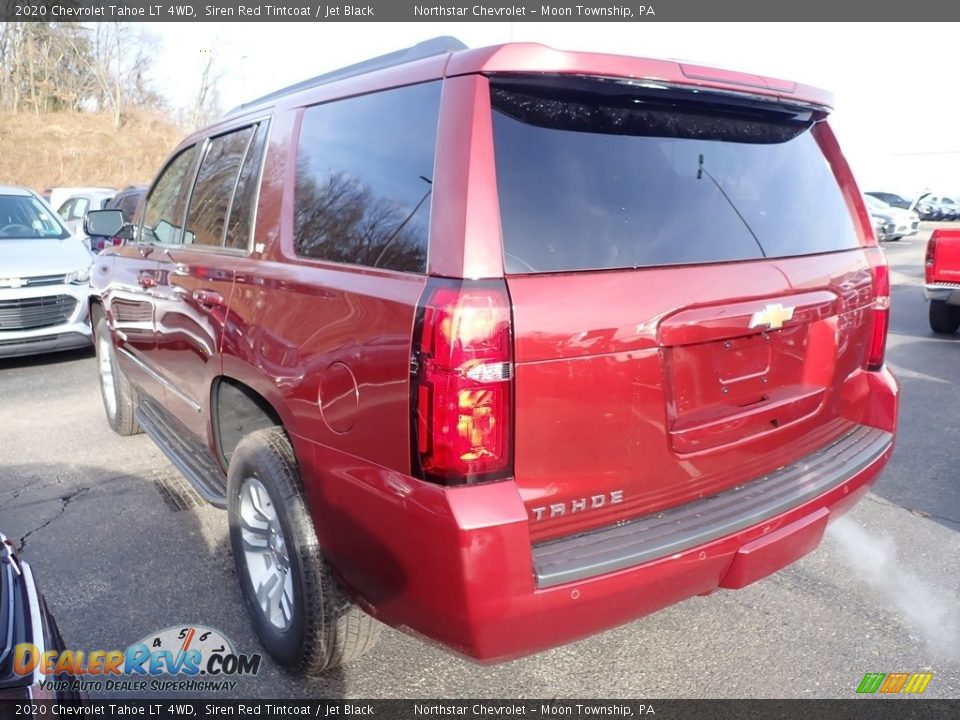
(727, 381)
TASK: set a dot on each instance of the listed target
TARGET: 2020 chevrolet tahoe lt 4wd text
(504, 346)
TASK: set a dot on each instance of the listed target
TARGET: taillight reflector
(462, 390)
(880, 310)
(930, 260)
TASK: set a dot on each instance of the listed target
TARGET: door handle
(147, 279)
(210, 298)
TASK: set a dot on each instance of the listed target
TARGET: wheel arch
(95, 310)
(238, 409)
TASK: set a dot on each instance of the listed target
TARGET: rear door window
(598, 174)
(243, 207)
(214, 188)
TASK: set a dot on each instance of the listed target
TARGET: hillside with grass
(78, 148)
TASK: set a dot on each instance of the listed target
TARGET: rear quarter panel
(946, 261)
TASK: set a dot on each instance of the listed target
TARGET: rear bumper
(697, 523)
(907, 229)
(456, 565)
(949, 293)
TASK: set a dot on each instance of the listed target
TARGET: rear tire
(944, 319)
(303, 618)
(119, 396)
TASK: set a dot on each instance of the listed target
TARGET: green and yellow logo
(912, 683)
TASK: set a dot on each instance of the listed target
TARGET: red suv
(504, 346)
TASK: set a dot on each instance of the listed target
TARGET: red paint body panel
(530, 57)
(946, 259)
(465, 203)
(189, 331)
(765, 555)
(456, 564)
(635, 398)
(648, 382)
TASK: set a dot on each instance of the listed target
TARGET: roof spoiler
(428, 48)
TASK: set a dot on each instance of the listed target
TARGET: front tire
(301, 615)
(119, 396)
(944, 318)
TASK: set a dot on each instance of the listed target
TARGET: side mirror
(103, 222)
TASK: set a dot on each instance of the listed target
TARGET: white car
(44, 278)
(75, 209)
(59, 195)
(906, 222)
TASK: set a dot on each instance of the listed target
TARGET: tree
(75, 66)
(206, 106)
(44, 67)
(118, 65)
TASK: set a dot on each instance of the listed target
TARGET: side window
(128, 206)
(167, 200)
(364, 177)
(80, 209)
(210, 202)
(245, 198)
(65, 209)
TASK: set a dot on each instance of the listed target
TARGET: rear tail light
(99, 243)
(462, 383)
(931, 258)
(880, 309)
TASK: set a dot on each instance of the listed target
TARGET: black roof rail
(428, 48)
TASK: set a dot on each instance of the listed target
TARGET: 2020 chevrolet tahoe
(504, 346)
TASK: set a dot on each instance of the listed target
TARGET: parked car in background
(126, 201)
(905, 222)
(883, 222)
(942, 280)
(945, 208)
(25, 619)
(44, 278)
(74, 209)
(891, 199)
(438, 377)
(59, 195)
(926, 209)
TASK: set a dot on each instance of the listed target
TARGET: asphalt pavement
(123, 549)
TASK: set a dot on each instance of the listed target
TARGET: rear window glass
(598, 174)
(365, 177)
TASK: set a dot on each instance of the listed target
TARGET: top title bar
(467, 11)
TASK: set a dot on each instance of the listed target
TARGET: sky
(897, 99)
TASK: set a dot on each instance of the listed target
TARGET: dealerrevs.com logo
(192, 658)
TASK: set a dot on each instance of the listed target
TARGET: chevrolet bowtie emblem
(773, 316)
(12, 282)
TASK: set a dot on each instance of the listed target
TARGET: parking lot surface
(123, 548)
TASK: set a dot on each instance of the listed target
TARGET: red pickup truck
(942, 280)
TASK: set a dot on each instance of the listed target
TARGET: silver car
(44, 278)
